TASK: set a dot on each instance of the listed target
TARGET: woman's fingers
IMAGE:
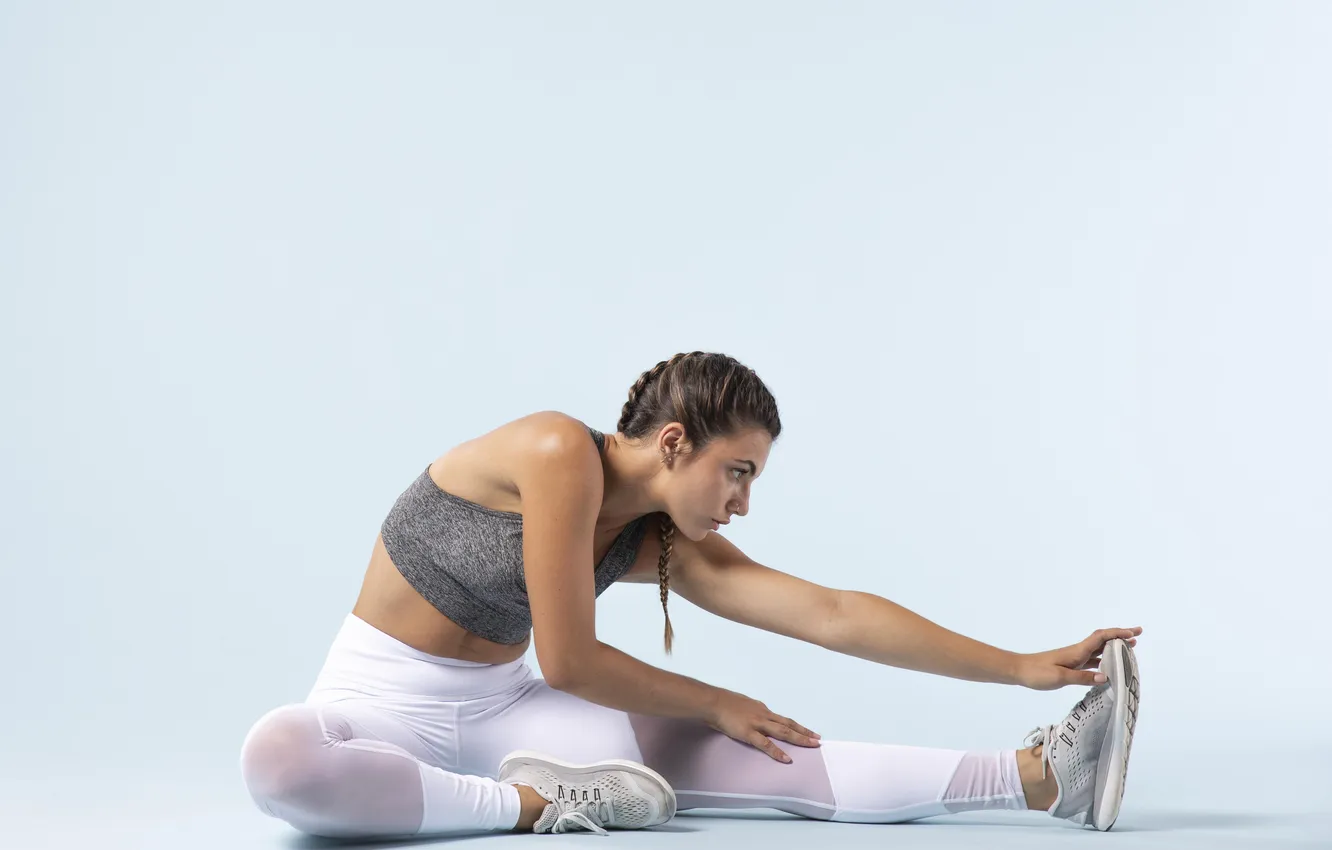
(764, 743)
(1084, 677)
(792, 736)
(777, 729)
(1126, 635)
(799, 728)
(796, 726)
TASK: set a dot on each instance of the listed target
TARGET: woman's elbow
(556, 675)
(565, 670)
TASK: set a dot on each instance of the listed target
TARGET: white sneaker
(611, 793)
(1089, 750)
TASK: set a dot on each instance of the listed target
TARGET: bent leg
(328, 769)
(839, 780)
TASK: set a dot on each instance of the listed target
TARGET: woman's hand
(1072, 665)
(750, 722)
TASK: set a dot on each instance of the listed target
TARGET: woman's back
(457, 535)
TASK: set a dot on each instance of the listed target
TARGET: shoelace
(1041, 735)
(590, 814)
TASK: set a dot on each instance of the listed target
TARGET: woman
(425, 719)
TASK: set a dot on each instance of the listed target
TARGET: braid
(664, 574)
(667, 524)
(636, 391)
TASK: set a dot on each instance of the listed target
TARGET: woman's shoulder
(554, 423)
(487, 469)
(517, 439)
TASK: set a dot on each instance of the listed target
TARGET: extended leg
(840, 780)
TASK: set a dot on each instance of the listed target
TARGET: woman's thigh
(374, 719)
(535, 716)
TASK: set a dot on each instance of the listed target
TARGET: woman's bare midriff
(474, 471)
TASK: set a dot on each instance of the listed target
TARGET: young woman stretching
(426, 720)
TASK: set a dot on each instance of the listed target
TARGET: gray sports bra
(467, 559)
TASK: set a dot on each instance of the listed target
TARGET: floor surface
(1192, 800)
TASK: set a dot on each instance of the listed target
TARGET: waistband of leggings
(364, 661)
(354, 627)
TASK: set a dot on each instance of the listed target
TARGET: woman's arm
(618, 680)
(878, 629)
(717, 577)
(561, 488)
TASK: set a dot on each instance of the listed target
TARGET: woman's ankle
(533, 804)
(1040, 793)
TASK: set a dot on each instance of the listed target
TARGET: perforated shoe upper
(609, 799)
(1072, 749)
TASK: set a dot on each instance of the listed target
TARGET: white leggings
(392, 741)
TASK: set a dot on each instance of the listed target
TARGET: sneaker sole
(519, 758)
(1121, 665)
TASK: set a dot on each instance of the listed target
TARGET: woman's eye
(741, 471)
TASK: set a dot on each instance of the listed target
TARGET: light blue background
(1042, 290)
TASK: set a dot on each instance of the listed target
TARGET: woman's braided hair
(711, 395)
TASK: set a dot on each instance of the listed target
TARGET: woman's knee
(279, 756)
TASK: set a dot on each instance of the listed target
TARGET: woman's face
(713, 484)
